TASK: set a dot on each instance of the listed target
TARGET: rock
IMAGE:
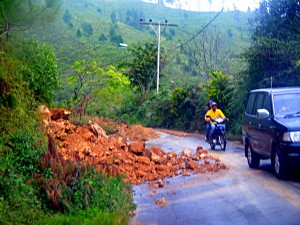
(160, 183)
(161, 202)
(186, 153)
(200, 150)
(143, 160)
(46, 113)
(137, 147)
(113, 155)
(155, 158)
(157, 150)
(171, 155)
(191, 165)
(96, 129)
(59, 114)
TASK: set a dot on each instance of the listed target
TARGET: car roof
(277, 90)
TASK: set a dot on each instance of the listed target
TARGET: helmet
(210, 101)
(214, 103)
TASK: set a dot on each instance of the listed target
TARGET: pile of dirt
(123, 151)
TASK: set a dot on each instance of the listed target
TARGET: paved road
(239, 195)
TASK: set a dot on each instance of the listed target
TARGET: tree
(209, 53)
(182, 110)
(96, 87)
(114, 37)
(102, 38)
(39, 69)
(113, 18)
(142, 69)
(218, 89)
(78, 33)
(275, 51)
(87, 29)
(67, 16)
(16, 15)
(27, 78)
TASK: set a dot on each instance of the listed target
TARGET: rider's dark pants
(212, 128)
(207, 129)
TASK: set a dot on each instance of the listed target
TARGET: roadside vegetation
(67, 55)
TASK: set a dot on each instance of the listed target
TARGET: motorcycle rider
(207, 124)
(212, 114)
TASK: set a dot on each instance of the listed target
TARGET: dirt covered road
(237, 195)
(177, 178)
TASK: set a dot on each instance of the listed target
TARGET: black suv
(271, 128)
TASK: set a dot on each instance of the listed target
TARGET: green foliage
(142, 68)
(114, 37)
(87, 76)
(30, 183)
(115, 90)
(21, 15)
(181, 110)
(109, 129)
(67, 16)
(274, 54)
(80, 121)
(24, 152)
(87, 29)
(113, 18)
(218, 88)
(235, 108)
(132, 16)
(15, 96)
(78, 33)
(38, 69)
(131, 110)
(19, 157)
(102, 38)
(210, 53)
(88, 217)
(174, 108)
(97, 91)
(77, 186)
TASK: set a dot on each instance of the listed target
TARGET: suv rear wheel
(252, 158)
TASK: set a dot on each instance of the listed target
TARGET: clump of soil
(123, 150)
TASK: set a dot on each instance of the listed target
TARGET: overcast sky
(211, 5)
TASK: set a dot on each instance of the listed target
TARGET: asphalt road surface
(238, 195)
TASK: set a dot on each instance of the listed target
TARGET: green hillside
(96, 17)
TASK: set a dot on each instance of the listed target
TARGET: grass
(87, 218)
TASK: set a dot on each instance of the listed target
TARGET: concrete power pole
(158, 43)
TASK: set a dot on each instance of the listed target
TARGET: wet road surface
(238, 195)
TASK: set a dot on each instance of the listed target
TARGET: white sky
(211, 5)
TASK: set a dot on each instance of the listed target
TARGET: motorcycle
(219, 135)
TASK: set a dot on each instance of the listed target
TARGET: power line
(200, 31)
(195, 35)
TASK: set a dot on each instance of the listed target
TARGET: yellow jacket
(214, 115)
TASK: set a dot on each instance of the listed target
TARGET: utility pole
(158, 43)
